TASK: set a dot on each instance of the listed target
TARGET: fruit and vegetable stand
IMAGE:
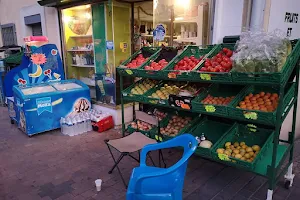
(236, 116)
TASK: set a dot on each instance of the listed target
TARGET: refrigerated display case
(40, 107)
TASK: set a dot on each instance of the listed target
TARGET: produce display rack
(275, 151)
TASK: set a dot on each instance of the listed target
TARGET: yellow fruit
(251, 153)
(242, 144)
(239, 147)
(247, 156)
(230, 150)
(220, 151)
(236, 144)
(236, 151)
(249, 160)
(243, 158)
(249, 149)
(227, 153)
(232, 147)
(233, 154)
(227, 144)
(255, 147)
(238, 156)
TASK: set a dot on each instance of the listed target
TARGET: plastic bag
(261, 52)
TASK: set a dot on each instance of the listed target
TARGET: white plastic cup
(98, 183)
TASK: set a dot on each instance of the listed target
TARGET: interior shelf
(84, 66)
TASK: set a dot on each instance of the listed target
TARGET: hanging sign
(109, 45)
(159, 33)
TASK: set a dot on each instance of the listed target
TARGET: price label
(210, 108)
(223, 157)
(158, 138)
(172, 75)
(252, 127)
(251, 115)
(128, 71)
(161, 102)
(153, 101)
(206, 77)
(185, 106)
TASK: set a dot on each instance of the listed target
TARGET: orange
(264, 109)
(247, 101)
(250, 95)
(268, 103)
(265, 97)
(253, 102)
(262, 94)
(249, 107)
(253, 99)
(273, 98)
(268, 94)
(247, 98)
(243, 106)
(259, 99)
(257, 95)
(248, 104)
(275, 95)
(256, 108)
(261, 103)
(242, 103)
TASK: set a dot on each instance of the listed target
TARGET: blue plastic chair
(152, 183)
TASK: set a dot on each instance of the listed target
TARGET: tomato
(207, 64)
(219, 55)
(226, 59)
(215, 64)
(219, 60)
(225, 50)
(229, 53)
(204, 69)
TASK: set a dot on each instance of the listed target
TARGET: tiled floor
(52, 166)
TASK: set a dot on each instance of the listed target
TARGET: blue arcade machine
(37, 93)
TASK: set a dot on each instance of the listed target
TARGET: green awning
(14, 59)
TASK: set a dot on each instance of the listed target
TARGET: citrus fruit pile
(217, 100)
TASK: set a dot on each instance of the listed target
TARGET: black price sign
(290, 18)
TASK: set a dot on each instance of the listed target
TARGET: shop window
(34, 23)
(9, 37)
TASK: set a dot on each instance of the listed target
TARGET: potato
(236, 151)
(236, 144)
(227, 153)
(227, 144)
(249, 149)
(255, 148)
(220, 151)
(247, 156)
(238, 156)
(242, 144)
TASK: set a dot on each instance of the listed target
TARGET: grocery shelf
(82, 50)
(81, 36)
(87, 66)
(191, 39)
(285, 83)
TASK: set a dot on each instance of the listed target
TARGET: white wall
(16, 11)
(228, 19)
(277, 21)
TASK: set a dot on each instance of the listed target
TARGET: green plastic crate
(151, 100)
(167, 53)
(196, 51)
(276, 78)
(146, 51)
(186, 129)
(213, 76)
(216, 90)
(251, 135)
(213, 130)
(133, 97)
(151, 133)
(268, 118)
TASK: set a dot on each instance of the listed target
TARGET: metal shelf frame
(272, 166)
